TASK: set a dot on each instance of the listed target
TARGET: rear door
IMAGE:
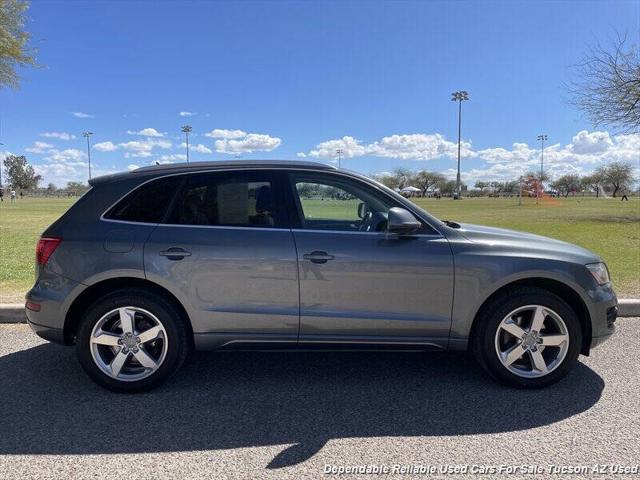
(227, 251)
(358, 283)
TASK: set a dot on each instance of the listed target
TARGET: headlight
(599, 272)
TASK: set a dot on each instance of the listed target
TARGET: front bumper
(604, 333)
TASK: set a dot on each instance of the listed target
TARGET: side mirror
(402, 222)
(363, 209)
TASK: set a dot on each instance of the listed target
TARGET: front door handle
(318, 257)
(175, 253)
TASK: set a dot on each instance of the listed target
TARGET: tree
(305, 190)
(404, 177)
(448, 187)
(14, 42)
(51, 188)
(607, 87)
(531, 182)
(567, 184)
(496, 187)
(481, 185)
(76, 187)
(19, 173)
(593, 182)
(616, 175)
(511, 187)
(424, 180)
(387, 180)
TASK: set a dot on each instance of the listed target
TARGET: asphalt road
(287, 415)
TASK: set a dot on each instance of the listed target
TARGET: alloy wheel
(532, 341)
(128, 343)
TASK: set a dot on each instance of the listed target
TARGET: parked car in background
(151, 264)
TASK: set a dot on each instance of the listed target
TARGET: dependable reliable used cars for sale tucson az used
(151, 264)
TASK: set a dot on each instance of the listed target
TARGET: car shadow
(243, 399)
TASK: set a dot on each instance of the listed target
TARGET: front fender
(478, 275)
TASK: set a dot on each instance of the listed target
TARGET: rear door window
(235, 199)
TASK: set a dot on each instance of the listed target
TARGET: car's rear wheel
(132, 341)
(528, 338)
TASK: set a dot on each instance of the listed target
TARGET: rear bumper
(55, 335)
(52, 294)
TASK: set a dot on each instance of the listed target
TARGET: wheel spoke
(104, 338)
(537, 361)
(538, 318)
(150, 334)
(126, 320)
(128, 355)
(513, 328)
(145, 360)
(553, 340)
(513, 354)
(118, 362)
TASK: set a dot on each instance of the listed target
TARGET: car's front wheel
(132, 341)
(528, 338)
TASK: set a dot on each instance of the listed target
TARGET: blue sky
(299, 79)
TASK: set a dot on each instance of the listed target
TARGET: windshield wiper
(451, 224)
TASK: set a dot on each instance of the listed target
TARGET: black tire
(484, 335)
(178, 344)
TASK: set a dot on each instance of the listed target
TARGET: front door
(358, 283)
(227, 253)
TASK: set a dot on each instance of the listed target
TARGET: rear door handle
(175, 253)
(318, 257)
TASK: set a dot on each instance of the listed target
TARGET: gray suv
(151, 264)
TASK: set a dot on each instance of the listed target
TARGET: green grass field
(606, 226)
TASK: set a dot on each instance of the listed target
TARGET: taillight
(46, 247)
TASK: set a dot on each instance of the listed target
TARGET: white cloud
(69, 156)
(39, 147)
(175, 157)
(81, 114)
(594, 142)
(520, 152)
(197, 147)
(239, 141)
(135, 148)
(132, 167)
(187, 114)
(60, 135)
(146, 132)
(105, 146)
(350, 148)
(224, 133)
(62, 166)
(587, 151)
(417, 146)
(252, 142)
(143, 148)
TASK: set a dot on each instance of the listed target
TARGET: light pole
(339, 152)
(87, 135)
(2, 144)
(541, 138)
(520, 191)
(186, 129)
(459, 96)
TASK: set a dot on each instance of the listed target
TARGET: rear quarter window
(147, 203)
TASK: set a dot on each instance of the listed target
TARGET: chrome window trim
(348, 232)
(225, 227)
(348, 175)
